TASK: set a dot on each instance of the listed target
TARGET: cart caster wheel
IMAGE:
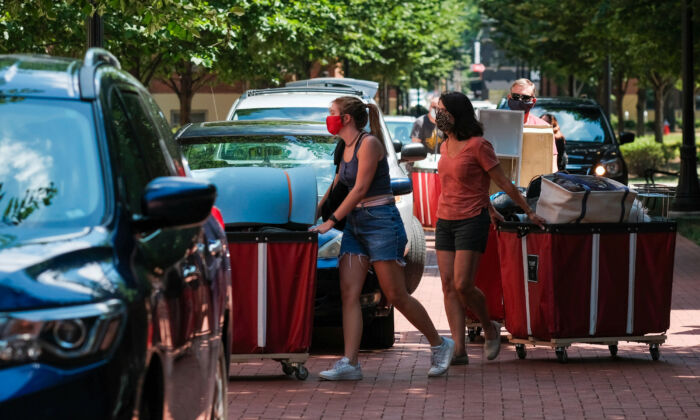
(613, 349)
(471, 333)
(561, 354)
(302, 373)
(287, 368)
(654, 350)
(520, 351)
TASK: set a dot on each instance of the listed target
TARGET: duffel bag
(566, 198)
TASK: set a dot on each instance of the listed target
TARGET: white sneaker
(441, 357)
(342, 371)
(492, 347)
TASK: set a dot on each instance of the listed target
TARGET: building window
(196, 116)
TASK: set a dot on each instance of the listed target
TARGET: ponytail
(375, 125)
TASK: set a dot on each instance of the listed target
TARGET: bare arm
(497, 176)
(416, 140)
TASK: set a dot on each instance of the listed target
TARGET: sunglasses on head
(522, 98)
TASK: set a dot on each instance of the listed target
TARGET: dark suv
(114, 277)
(590, 141)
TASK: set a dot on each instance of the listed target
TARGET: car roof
(399, 118)
(367, 87)
(252, 128)
(39, 76)
(291, 99)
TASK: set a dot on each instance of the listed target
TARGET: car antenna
(213, 99)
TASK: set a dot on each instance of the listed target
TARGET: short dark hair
(466, 124)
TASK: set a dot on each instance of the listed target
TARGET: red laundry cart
(426, 191)
(488, 280)
(273, 277)
(587, 283)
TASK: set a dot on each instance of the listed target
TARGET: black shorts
(463, 235)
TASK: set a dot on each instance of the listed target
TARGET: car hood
(54, 267)
(588, 153)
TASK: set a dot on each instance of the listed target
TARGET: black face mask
(443, 121)
(519, 105)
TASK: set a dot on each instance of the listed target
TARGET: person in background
(425, 132)
(373, 234)
(522, 98)
(559, 140)
(467, 165)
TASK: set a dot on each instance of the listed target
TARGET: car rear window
(50, 173)
(584, 124)
(277, 151)
(287, 113)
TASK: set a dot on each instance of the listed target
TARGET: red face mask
(334, 123)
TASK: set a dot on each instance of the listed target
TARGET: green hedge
(643, 154)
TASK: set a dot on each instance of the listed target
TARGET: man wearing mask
(424, 129)
(522, 98)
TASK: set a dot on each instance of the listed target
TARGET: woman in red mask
(373, 234)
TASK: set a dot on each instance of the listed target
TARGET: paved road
(592, 385)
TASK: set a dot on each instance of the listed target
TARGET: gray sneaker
(441, 357)
(342, 371)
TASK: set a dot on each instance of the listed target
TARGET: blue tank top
(381, 183)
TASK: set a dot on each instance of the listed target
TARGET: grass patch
(689, 228)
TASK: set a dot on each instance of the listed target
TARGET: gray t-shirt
(425, 130)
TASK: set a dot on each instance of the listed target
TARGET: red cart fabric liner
(594, 280)
(426, 191)
(273, 277)
(488, 279)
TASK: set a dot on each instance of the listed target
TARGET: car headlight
(60, 336)
(612, 167)
(331, 249)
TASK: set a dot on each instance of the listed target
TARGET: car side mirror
(397, 145)
(413, 152)
(401, 186)
(176, 201)
(626, 137)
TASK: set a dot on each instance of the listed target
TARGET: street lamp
(688, 190)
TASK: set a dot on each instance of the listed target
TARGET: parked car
(114, 278)
(400, 127)
(289, 144)
(591, 144)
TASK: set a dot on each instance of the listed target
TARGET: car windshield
(583, 124)
(400, 130)
(297, 114)
(272, 151)
(50, 173)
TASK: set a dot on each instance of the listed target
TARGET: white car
(310, 101)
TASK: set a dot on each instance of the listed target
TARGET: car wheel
(219, 407)
(379, 333)
(415, 259)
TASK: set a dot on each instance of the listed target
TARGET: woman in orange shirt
(467, 165)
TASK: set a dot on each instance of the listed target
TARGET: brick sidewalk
(591, 385)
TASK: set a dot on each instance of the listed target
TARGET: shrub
(630, 125)
(642, 154)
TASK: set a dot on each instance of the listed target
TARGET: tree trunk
(659, 111)
(620, 89)
(186, 93)
(572, 86)
(641, 107)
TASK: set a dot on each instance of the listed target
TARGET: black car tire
(415, 259)
(219, 405)
(379, 333)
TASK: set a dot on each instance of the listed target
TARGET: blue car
(115, 293)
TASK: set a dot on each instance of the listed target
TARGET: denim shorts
(469, 234)
(376, 232)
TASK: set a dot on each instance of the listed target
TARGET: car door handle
(216, 247)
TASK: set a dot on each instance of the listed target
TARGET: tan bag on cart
(566, 198)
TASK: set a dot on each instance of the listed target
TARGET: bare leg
(393, 284)
(466, 263)
(353, 270)
(453, 305)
